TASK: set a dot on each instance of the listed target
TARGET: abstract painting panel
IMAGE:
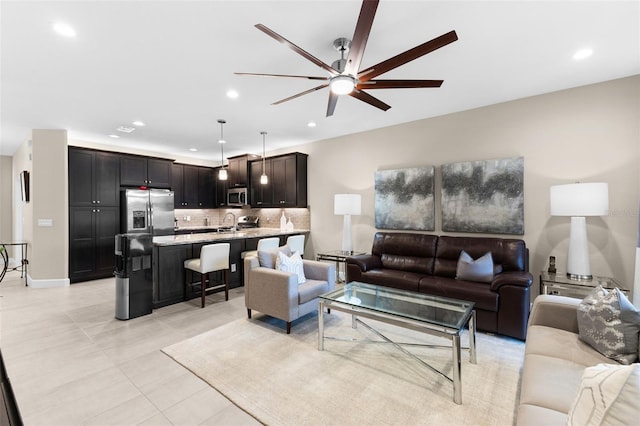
(405, 199)
(484, 196)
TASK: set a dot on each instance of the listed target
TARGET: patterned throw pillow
(480, 269)
(608, 395)
(291, 264)
(610, 324)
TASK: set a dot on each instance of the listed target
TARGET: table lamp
(347, 205)
(579, 200)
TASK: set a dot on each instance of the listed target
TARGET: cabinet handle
(98, 210)
(93, 202)
(98, 201)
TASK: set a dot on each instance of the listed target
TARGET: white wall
(6, 191)
(587, 134)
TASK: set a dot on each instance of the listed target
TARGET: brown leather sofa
(427, 264)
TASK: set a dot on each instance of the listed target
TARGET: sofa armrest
(555, 311)
(365, 262)
(517, 278)
(272, 292)
(321, 271)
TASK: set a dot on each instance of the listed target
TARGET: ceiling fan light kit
(345, 76)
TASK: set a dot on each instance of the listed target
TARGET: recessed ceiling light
(193, 149)
(125, 129)
(114, 136)
(582, 54)
(138, 123)
(311, 124)
(232, 94)
(64, 29)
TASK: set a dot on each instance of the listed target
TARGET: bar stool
(296, 244)
(263, 244)
(213, 257)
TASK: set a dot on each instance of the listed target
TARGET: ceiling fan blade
(308, 77)
(399, 84)
(296, 49)
(331, 105)
(365, 97)
(361, 35)
(322, 86)
(407, 56)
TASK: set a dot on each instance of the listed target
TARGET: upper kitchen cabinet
(239, 170)
(144, 171)
(221, 189)
(206, 188)
(185, 185)
(94, 178)
(287, 181)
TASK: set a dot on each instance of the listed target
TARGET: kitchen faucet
(233, 228)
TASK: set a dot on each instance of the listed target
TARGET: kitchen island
(170, 252)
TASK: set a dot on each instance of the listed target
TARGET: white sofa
(554, 361)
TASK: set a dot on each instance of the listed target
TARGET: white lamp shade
(580, 199)
(347, 204)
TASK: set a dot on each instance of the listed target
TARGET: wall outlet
(233, 267)
(45, 222)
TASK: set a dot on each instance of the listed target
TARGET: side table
(562, 285)
(5, 260)
(340, 257)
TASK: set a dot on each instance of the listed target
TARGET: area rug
(282, 379)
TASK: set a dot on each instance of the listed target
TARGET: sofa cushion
(610, 323)
(550, 382)
(392, 278)
(534, 415)
(267, 258)
(479, 293)
(558, 343)
(292, 264)
(480, 269)
(406, 251)
(608, 394)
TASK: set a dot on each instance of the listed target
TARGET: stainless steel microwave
(237, 197)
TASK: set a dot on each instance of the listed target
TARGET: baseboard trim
(51, 283)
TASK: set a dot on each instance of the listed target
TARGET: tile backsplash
(269, 218)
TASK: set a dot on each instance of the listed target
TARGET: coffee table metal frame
(352, 305)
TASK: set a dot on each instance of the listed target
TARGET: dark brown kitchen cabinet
(145, 171)
(287, 181)
(239, 170)
(168, 273)
(221, 189)
(206, 188)
(261, 195)
(94, 178)
(193, 186)
(91, 242)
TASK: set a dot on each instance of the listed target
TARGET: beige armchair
(279, 295)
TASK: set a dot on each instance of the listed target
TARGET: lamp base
(578, 256)
(579, 277)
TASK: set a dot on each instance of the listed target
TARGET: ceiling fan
(345, 78)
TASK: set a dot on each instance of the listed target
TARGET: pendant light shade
(222, 173)
(264, 179)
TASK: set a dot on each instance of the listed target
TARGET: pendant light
(263, 179)
(222, 173)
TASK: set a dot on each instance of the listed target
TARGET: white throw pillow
(291, 264)
(608, 395)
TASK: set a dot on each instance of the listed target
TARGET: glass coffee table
(433, 315)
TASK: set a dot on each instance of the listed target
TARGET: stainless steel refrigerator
(147, 211)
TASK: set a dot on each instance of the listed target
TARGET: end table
(340, 257)
(562, 285)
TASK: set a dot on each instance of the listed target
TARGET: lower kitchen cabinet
(168, 273)
(91, 242)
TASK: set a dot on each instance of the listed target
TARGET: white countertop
(172, 240)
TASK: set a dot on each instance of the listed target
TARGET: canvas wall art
(484, 196)
(405, 199)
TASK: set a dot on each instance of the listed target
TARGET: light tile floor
(71, 362)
